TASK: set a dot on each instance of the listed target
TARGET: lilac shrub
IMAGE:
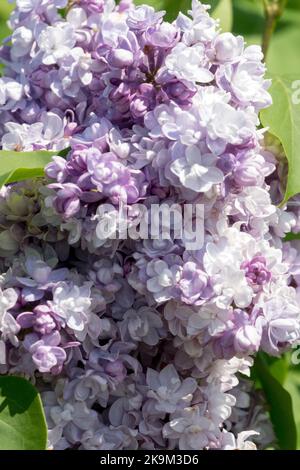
(132, 342)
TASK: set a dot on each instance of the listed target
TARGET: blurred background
(5, 9)
(248, 20)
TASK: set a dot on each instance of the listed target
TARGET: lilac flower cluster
(139, 343)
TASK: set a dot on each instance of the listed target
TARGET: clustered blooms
(141, 343)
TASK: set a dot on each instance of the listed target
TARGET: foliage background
(5, 9)
(283, 59)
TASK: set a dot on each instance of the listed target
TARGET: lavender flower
(168, 391)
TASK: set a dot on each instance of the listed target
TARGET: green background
(5, 9)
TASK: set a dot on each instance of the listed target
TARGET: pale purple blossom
(167, 390)
(195, 171)
(189, 63)
(143, 325)
(46, 353)
(72, 303)
(192, 430)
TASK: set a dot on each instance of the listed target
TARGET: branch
(273, 11)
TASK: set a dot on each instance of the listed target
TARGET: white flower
(21, 137)
(10, 93)
(8, 325)
(209, 316)
(202, 28)
(111, 223)
(229, 126)
(8, 299)
(3, 360)
(162, 279)
(22, 40)
(228, 47)
(75, 71)
(113, 25)
(117, 144)
(246, 83)
(229, 442)
(254, 201)
(197, 172)
(224, 371)
(72, 303)
(285, 223)
(219, 404)
(224, 262)
(281, 317)
(205, 101)
(193, 430)
(56, 42)
(189, 63)
(77, 17)
(26, 137)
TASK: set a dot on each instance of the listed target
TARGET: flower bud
(120, 58)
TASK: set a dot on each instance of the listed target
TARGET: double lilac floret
(256, 271)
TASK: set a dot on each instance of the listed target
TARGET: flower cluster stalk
(273, 10)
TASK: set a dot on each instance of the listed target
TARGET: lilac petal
(53, 339)
(26, 319)
(32, 294)
(25, 281)
(58, 275)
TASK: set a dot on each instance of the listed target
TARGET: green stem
(273, 11)
(270, 24)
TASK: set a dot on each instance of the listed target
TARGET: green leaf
(5, 10)
(278, 366)
(280, 405)
(283, 55)
(292, 236)
(293, 387)
(22, 421)
(173, 8)
(283, 120)
(18, 166)
(224, 13)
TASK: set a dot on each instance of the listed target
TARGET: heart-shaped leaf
(22, 421)
(293, 387)
(283, 120)
(280, 405)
